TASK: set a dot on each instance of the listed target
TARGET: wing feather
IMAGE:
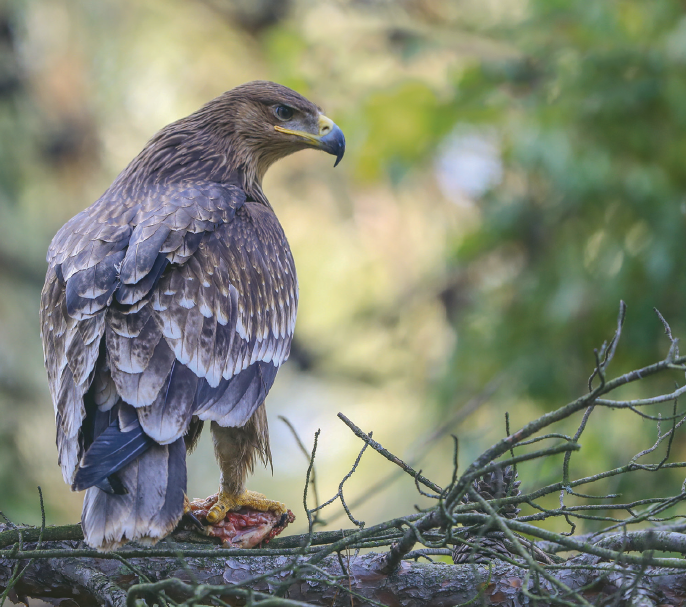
(193, 290)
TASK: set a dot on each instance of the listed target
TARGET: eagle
(169, 302)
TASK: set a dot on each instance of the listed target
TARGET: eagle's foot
(244, 520)
(227, 502)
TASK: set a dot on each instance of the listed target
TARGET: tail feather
(110, 452)
(170, 513)
(151, 508)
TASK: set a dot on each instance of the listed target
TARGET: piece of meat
(244, 528)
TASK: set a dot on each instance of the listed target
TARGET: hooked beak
(329, 139)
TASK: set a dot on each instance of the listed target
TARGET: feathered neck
(198, 148)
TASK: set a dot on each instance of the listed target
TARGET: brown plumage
(171, 301)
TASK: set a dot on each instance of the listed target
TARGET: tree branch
(107, 581)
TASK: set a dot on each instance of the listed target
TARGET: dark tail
(155, 484)
(111, 451)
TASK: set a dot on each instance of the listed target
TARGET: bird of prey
(169, 302)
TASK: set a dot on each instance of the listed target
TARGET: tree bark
(94, 581)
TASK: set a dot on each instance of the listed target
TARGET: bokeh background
(514, 169)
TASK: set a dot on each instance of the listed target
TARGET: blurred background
(514, 169)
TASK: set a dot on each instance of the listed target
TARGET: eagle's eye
(283, 112)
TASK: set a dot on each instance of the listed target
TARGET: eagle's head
(271, 121)
(235, 138)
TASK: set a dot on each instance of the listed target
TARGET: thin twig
(313, 475)
(388, 455)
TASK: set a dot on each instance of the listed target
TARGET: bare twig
(388, 455)
(312, 472)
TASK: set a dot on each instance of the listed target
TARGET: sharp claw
(194, 519)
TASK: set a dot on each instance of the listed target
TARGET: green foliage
(592, 119)
(402, 126)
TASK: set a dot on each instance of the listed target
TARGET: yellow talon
(250, 499)
(217, 513)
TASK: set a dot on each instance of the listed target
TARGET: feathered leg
(236, 450)
(252, 517)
